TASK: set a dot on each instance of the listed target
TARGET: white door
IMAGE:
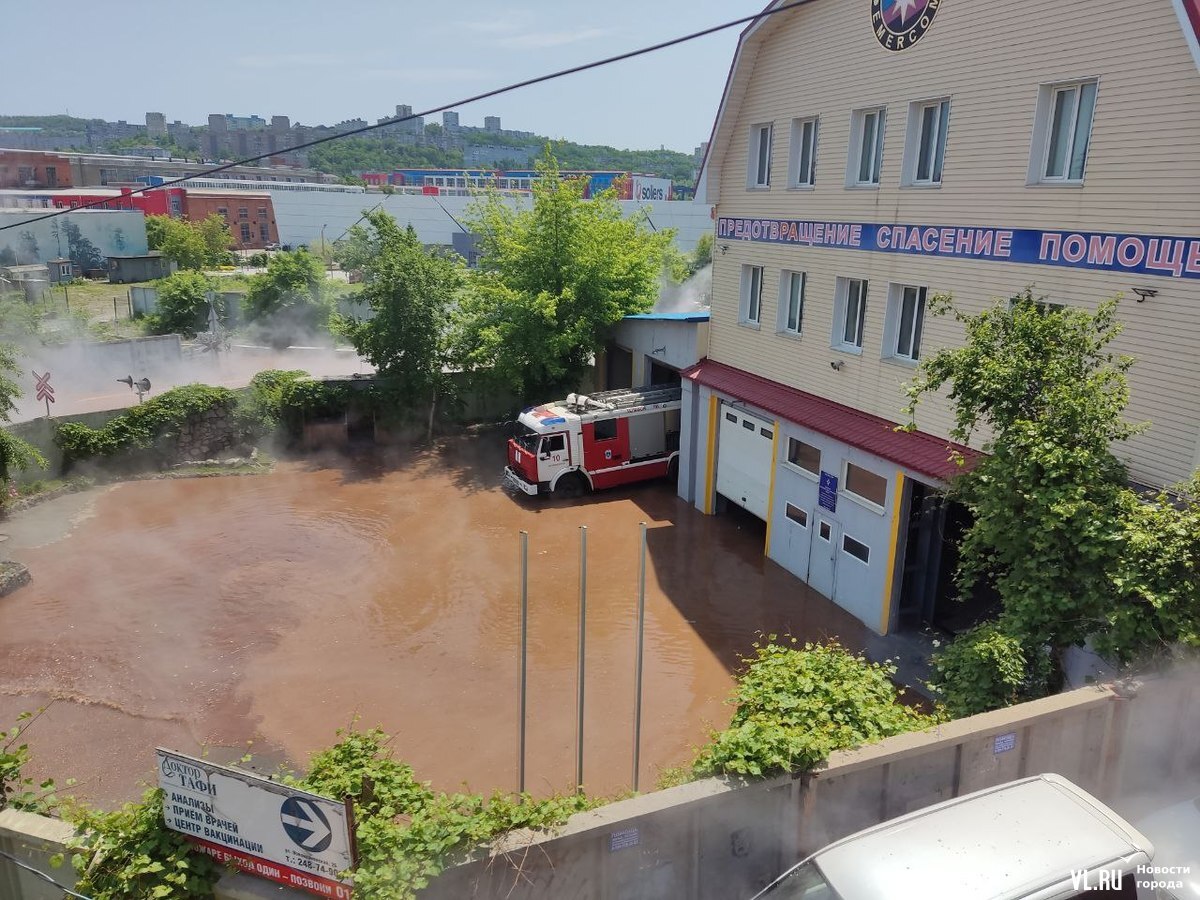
(553, 456)
(744, 460)
(822, 564)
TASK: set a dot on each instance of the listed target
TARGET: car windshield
(805, 882)
(525, 437)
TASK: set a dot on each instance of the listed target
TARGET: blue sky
(321, 62)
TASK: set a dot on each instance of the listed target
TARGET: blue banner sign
(827, 491)
(1175, 257)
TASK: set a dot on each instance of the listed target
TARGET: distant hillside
(358, 154)
(49, 124)
(348, 155)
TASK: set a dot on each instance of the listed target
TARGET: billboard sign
(1142, 254)
(262, 827)
(649, 189)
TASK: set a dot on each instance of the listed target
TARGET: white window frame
(797, 176)
(795, 467)
(892, 336)
(841, 311)
(864, 544)
(859, 147)
(787, 279)
(865, 502)
(750, 305)
(758, 168)
(915, 154)
(1043, 127)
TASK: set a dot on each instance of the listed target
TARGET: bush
(258, 260)
(145, 427)
(182, 304)
(988, 668)
(797, 705)
(262, 403)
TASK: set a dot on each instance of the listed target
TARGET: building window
(751, 306)
(804, 456)
(925, 152)
(865, 485)
(791, 302)
(262, 212)
(64, 270)
(824, 530)
(803, 162)
(758, 173)
(857, 549)
(222, 212)
(264, 232)
(1062, 132)
(850, 313)
(866, 147)
(245, 232)
(243, 212)
(905, 320)
(797, 515)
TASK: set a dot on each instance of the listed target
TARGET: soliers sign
(264, 828)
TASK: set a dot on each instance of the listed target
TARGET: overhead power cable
(42, 875)
(495, 92)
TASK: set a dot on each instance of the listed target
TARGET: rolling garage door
(744, 460)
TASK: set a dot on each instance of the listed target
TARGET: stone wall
(206, 436)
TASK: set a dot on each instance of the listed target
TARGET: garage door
(744, 460)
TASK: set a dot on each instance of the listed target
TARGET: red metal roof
(917, 450)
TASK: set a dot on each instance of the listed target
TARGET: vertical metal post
(637, 676)
(524, 646)
(582, 643)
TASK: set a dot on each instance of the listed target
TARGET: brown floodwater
(206, 614)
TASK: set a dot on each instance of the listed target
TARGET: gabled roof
(740, 70)
(921, 452)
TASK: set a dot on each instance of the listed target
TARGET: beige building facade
(870, 154)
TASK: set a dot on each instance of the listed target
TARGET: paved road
(80, 394)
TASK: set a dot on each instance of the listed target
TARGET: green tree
(182, 306)
(409, 291)
(552, 280)
(218, 240)
(702, 255)
(15, 454)
(289, 300)
(178, 240)
(1072, 552)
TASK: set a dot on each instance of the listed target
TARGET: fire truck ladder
(624, 398)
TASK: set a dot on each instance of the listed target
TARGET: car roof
(1011, 841)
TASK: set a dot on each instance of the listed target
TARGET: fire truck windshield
(526, 437)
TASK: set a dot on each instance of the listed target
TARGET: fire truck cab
(590, 442)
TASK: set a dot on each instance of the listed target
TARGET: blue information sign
(828, 491)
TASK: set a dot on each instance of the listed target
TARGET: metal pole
(524, 647)
(582, 643)
(637, 677)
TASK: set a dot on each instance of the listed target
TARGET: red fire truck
(597, 441)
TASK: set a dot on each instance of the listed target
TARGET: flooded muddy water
(274, 609)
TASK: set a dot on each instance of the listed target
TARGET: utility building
(866, 156)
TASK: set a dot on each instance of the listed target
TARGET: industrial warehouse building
(869, 155)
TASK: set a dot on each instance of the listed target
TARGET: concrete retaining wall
(720, 839)
(40, 433)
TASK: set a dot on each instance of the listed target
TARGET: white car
(1039, 838)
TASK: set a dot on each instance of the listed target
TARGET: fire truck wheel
(570, 486)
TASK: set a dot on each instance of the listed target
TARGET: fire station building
(871, 153)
